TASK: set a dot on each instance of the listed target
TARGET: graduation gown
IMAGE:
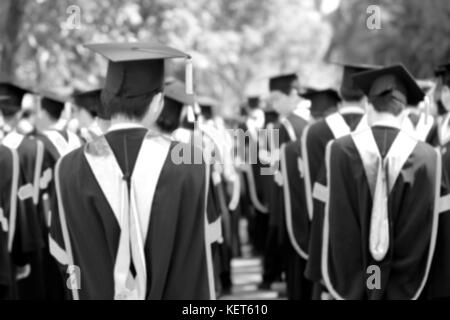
(86, 234)
(313, 145)
(288, 129)
(380, 220)
(443, 130)
(426, 131)
(288, 188)
(57, 143)
(253, 203)
(30, 235)
(438, 285)
(9, 169)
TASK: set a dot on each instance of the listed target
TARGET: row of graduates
(103, 209)
(354, 205)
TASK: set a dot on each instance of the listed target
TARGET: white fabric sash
(326, 230)
(132, 210)
(247, 168)
(421, 130)
(289, 129)
(381, 175)
(337, 125)
(288, 207)
(62, 145)
(444, 132)
(13, 140)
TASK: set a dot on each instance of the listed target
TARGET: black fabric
(174, 248)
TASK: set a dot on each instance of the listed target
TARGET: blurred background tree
(235, 43)
(412, 32)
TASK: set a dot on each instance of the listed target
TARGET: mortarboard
(207, 105)
(284, 83)
(253, 102)
(53, 103)
(138, 68)
(90, 101)
(394, 81)
(443, 72)
(349, 90)
(322, 101)
(175, 90)
(14, 94)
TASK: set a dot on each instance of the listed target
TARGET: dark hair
(387, 103)
(131, 107)
(351, 95)
(169, 119)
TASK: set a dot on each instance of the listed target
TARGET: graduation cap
(91, 102)
(349, 90)
(175, 98)
(53, 103)
(284, 83)
(253, 102)
(137, 68)
(207, 104)
(443, 72)
(323, 101)
(13, 94)
(393, 81)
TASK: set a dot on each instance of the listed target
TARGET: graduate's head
(135, 79)
(323, 101)
(284, 91)
(390, 89)
(175, 99)
(50, 110)
(207, 107)
(349, 91)
(443, 87)
(11, 101)
(87, 106)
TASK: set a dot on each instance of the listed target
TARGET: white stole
(381, 175)
(289, 129)
(132, 210)
(62, 145)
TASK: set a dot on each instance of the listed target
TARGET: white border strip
(63, 222)
(287, 205)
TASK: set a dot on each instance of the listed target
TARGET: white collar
(351, 109)
(303, 113)
(392, 123)
(95, 128)
(125, 125)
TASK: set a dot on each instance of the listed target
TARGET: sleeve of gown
(341, 270)
(188, 274)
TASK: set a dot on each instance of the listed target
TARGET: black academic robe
(54, 286)
(252, 202)
(349, 269)
(174, 251)
(288, 129)
(298, 288)
(313, 146)
(438, 285)
(30, 236)
(296, 222)
(6, 265)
